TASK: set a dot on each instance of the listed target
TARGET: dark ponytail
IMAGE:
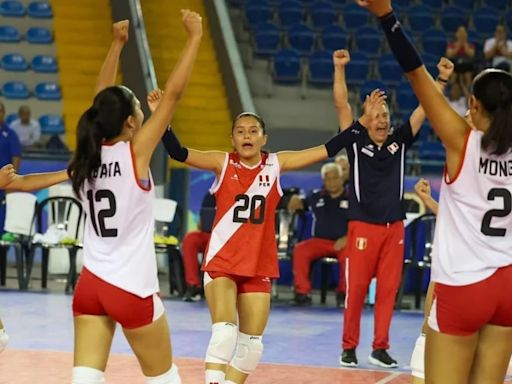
(493, 88)
(103, 121)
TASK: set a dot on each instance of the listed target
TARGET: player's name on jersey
(495, 167)
(107, 170)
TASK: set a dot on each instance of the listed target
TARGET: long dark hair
(251, 114)
(493, 89)
(104, 120)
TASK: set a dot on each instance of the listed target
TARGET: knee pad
(4, 339)
(248, 353)
(222, 343)
(418, 358)
(172, 376)
(86, 375)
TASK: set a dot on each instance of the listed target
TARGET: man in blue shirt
(10, 153)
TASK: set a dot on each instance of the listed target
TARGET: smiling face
(379, 126)
(248, 138)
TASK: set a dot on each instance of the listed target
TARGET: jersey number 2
(486, 228)
(103, 213)
(249, 203)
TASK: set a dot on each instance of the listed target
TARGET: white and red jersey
(118, 239)
(243, 239)
(474, 225)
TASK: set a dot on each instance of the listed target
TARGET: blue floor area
(304, 336)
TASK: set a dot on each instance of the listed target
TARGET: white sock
(4, 339)
(172, 376)
(86, 375)
(213, 376)
(230, 382)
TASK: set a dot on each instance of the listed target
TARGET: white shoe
(4, 339)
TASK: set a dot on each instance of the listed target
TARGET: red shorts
(464, 310)
(244, 284)
(94, 296)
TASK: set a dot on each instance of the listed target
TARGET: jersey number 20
(102, 213)
(249, 203)
(494, 193)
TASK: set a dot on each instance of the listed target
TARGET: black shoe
(348, 358)
(340, 299)
(192, 294)
(301, 300)
(381, 358)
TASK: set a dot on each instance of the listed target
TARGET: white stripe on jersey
(356, 172)
(402, 163)
(225, 226)
(217, 182)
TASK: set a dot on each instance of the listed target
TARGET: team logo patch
(367, 152)
(264, 181)
(361, 243)
(393, 148)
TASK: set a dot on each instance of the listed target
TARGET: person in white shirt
(28, 130)
(498, 49)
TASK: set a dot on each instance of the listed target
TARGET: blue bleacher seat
(9, 34)
(425, 133)
(420, 18)
(485, 20)
(354, 16)
(401, 5)
(10, 118)
(51, 125)
(368, 86)
(15, 90)
(435, 5)
(301, 38)
(334, 37)
(40, 10)
(368, 41)
(267, 40)
(389, 70)
(14, 62)
(48, 91)
(338, 4)
(432, 150)
(465, 5)
(257, 12)
(406, 101)
(434, 42)
(12, 8)
(39, 35)
(430, 62)
(321, 69)
(287, 67)
(290, 12)
(452, 18)
(357, 71)
(500, 5)
(323, 14)
(44, 63)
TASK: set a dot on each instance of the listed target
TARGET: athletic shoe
(301, 300)
(192, 294)
(4, 339)
(381, 358)
(348, 358)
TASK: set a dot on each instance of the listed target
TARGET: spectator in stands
(10, 153)
(462, 53)
(27, 129)
(343, 162)
(457, 97)
(376, 230)
(498, 49)
(194, 243)
(329, 207)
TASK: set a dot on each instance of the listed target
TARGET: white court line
(389, 378)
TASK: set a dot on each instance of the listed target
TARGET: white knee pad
(222, 343)
(4, 339)
(248, 353)
(172, 376)
(418, 358)
(86, 375)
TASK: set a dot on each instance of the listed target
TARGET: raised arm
(108, 71)
(147, 138)
(445, 68)
(448, 125)
(30, 182)
(340, 59)
(422, 189)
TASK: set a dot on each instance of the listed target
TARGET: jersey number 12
(102, 213)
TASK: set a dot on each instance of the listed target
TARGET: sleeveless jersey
(118, 238)
(474, 226)
(243, 239)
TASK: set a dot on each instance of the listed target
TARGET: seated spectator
(498, 49)
(329, 207)
(462, 53)
(193, 244)
(28, 130)
(458, 99)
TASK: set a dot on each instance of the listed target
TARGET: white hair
(329, 167)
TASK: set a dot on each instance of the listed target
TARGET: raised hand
(120, 30)
(154, 98)
(377, 7)
(340, 58)
(422, 189)
(445, 68)
(7, 175)
(373, 103)
(192, 22)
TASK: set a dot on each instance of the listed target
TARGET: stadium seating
(485, 20)
(368, 41)
(452, 18)
(39, 35)
(48, 91)
(420, 18)
(301, 38)
(51, 125)
(290, 12)
(354, 16)
(44, 64)
(334, 37)
(12, 8)
(15, 90)
(358, 69)
(40, 10)
(287, 67)
(9, 34)
(321, 69)
(14, 62)
(323, 14)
